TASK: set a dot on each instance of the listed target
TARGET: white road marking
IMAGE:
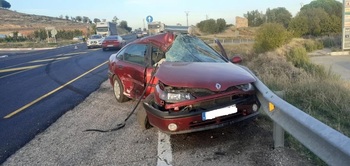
(165, 156)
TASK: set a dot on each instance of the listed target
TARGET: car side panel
(132, 78)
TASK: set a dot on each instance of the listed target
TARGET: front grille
(206, 92)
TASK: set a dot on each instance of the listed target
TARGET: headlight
(246, 87)
(173, 96)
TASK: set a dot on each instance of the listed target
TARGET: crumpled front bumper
(192, 121)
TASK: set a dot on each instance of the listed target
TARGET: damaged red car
(186, 85)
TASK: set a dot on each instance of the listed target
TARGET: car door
(152, 59)
(131, 69)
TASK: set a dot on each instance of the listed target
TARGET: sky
(170, 12)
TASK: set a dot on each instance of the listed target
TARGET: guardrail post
(278, 135)
(278, 131)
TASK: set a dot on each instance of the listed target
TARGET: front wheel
(118, 90)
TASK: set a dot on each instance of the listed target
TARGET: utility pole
(144, 27)
(187, 16)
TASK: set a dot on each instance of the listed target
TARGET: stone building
(241, 22)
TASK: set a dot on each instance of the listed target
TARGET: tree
(86, 19)
(299, 26)
(115, 19)
(5, 4)
(96, 20)
(123, 24)
(67, 17)
(211, 26)
(332, 7)
(78, 18)
(255, 18)
(221, 24)
(278, 15)
(315, 22)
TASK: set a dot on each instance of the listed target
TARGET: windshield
(102, 29)
(187, 48)
(95, 37)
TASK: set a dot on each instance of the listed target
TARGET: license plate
(109, 45)
(219, 112)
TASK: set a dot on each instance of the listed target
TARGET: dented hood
(203, 75)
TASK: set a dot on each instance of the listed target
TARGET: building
(241, 22)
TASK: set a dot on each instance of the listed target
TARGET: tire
(142, 119)
(118, 90)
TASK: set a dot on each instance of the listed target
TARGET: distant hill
(12, 21)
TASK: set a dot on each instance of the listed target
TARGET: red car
(112, 42)
(186, 85)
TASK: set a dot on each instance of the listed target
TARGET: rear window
(112, 37)
(95, 37)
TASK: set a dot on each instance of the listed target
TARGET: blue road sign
(149, 19)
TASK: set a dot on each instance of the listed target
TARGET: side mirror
(236, 59)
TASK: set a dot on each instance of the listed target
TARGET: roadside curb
(340, 53)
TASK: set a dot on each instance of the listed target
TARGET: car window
(95, 37)
(187, 48)
(156, 55)
(112, 37)
(135, 53)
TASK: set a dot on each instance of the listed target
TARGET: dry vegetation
(308, 86)
(314, 90)
(231, 33)
(27, 23)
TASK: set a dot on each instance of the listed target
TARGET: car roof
(163, 41)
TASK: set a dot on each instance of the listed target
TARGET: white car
(94, 41)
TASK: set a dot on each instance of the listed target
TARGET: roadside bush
(270, 36)
(331, 41)
(312, 45)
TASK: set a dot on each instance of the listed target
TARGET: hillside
(25, 24)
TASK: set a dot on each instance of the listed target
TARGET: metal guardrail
(328, 144)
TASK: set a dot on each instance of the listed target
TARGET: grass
(309, 87)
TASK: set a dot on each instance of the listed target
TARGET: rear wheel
(118, 90)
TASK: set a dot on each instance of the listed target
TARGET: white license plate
(109, 45)
(219, 112)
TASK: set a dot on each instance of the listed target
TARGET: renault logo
(218, 86)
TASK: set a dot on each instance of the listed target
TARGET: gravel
(66, 143)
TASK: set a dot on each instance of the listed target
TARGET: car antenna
(121, 125)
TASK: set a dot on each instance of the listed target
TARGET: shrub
(312, 45)
(270, 36)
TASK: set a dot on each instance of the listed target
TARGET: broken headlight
(246, 87)
(173, 96)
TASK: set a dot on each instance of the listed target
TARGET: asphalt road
(340, 64)
(31, 97)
